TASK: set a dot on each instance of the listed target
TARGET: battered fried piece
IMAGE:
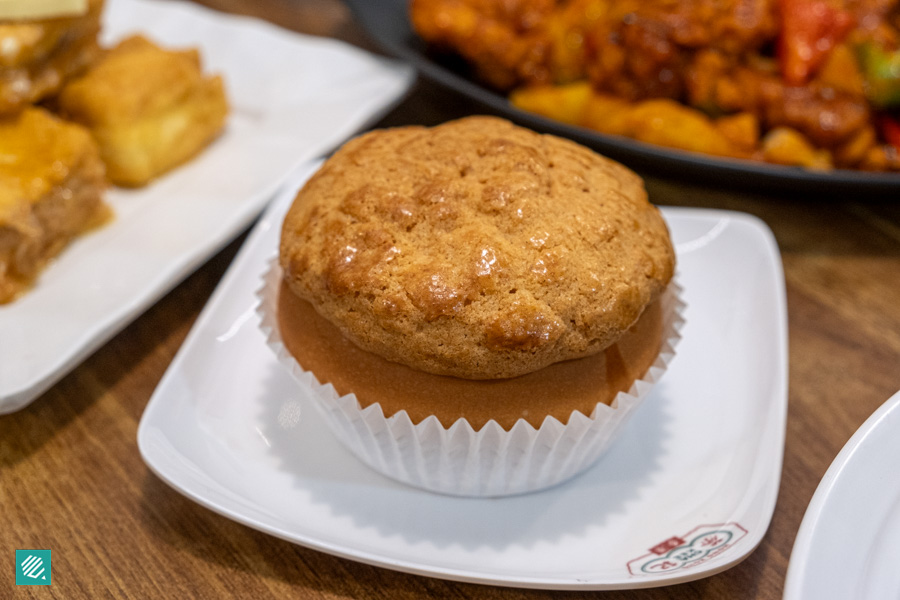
(51, 185)
(38, 56)
(511, 42)
(149, 109)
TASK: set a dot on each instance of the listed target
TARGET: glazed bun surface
(476, 249)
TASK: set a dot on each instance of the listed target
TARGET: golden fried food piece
(512, 42)
(149, 109)
(785, 146)
(565, 103)
(51, 186)
(37, 56)
(660, 121)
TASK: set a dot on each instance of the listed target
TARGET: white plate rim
(800, 561)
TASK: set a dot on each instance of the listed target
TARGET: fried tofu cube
(51, 187)
(149, 109)
(38, 55)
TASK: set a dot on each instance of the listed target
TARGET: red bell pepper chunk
(890, 129)
(809, 31)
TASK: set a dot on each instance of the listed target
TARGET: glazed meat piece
(516, 42)
(51, 185)
(827, 112)
(643, 48)
(37, 56)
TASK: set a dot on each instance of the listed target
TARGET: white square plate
(687, 491)
(293, 98)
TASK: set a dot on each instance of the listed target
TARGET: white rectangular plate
(293, 98)
(687, 491)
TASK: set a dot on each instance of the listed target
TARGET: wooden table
(71, 478)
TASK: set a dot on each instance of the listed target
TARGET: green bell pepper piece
(881, 70)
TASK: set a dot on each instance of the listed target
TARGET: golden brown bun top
(476, 249)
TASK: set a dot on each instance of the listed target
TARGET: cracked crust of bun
(475, 249)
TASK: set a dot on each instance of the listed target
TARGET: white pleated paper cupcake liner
(459, 460)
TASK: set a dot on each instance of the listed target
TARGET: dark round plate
(387, 22)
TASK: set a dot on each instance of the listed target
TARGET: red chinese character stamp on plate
(691, 549)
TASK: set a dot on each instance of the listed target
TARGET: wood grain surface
(71, 478)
